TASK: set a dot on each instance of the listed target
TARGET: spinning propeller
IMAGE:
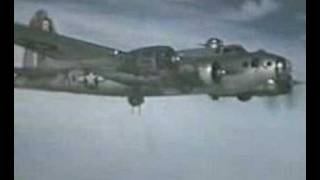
(289, 87)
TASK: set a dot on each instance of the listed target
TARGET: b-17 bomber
(57, 63)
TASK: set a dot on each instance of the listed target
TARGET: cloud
(251, 10)
(120, 25)
(302, 17)
(304, 37)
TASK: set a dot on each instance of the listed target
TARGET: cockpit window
(232, 49)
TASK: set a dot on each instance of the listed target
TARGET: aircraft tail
(40, 21)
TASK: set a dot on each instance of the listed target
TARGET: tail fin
(40, 21)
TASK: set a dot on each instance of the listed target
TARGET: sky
(65, 136)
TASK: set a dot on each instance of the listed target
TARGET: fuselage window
(269, 63)
(163, 60)
(255, 62)
(245, 64)
(45, 25)
(226, 50)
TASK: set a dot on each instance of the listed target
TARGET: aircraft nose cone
(288, 83)
(282, 68)
(285, 82)
(284, 78)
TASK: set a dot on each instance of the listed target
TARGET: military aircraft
(67, 64)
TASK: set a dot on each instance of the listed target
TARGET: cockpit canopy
(161, 56)
(153, 51)
(234, 49)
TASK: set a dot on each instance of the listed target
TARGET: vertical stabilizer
(40, 21)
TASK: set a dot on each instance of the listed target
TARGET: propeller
(285, 84)
(291, 97)
(291, 92)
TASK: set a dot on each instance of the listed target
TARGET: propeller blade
(294, 93)
(271, 103)
(290, 100)
(297, 82)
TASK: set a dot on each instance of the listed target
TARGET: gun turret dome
(213, 43)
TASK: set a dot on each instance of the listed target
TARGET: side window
(165, 59)
(245, 64)
(45, 25)
(255, 63)
(226, 50)
(268, 64)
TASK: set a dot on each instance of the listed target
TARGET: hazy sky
(64, 136)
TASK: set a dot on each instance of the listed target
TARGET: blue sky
(65, 136)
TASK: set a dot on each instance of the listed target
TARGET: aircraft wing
(58, 46)
(110, 84)
(101, 73)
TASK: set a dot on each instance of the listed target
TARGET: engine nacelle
(211, 73)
